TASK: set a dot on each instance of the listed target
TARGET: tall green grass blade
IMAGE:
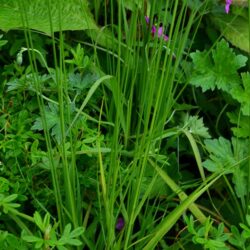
(172, 218)
(86, 100)
(193, 208)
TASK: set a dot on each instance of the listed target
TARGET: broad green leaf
(235, 29)
(75, 15)
(218, 69)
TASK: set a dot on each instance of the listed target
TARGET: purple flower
(153, 30)
(160, 31)
(120, 224)
(161, 34)
(227, 6)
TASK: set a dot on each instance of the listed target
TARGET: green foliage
(11, 242)
(237, 238)
(76, 15)
(2, 42)
(220, 154)
(218, 70)
(242, 124)
(53, 121)
(231, 157)
(50, 239)
(242, 95)
(196, 126)
(91, 132)
(7, 204)
(235, 28)
(208, 235)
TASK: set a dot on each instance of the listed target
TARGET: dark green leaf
(234, 28)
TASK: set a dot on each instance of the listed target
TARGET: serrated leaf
(79, 82)
(218, 69)
(52, 120)
(224, 155)
(220, 154)
(51, 116)
(203, 65)
(196, 126)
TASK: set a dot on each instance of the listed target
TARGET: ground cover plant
(124, 124)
